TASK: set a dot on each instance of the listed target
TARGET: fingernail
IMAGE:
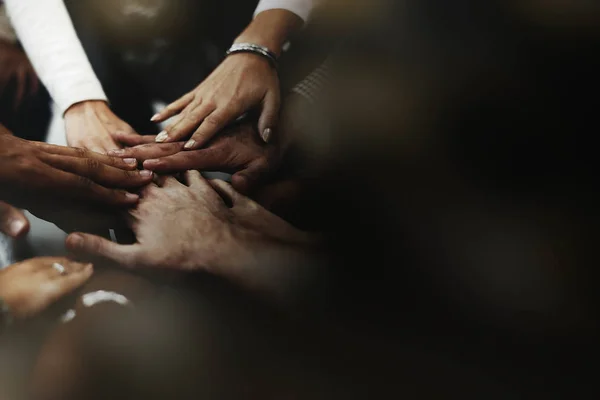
(130, 161)
(190, 145)
(266, 135)
(155, 117)
(162, 137)
(76, 240)
(16, 226)
(131, 196)
(146, 173)
(118, 152)
(88, 266)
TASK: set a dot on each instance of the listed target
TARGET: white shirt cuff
(81, 91)
(301, 8)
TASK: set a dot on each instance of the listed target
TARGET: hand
(93, 126)
(191, 228)
(31, 172)
(13, 222)
(242, 82)
(29, 287)
(16, 66)
(236, 150)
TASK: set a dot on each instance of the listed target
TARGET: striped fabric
(315, 84)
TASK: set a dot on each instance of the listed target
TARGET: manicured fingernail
(88, 266)
(76, 240)
(146, 173)
(155, 117)
(16, 226)
(162, 137)
(266, 135)
(130, 161)
(131, 196)
(190, 145)
(118, 152)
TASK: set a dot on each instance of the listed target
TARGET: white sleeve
(301, 8)
(46, 32)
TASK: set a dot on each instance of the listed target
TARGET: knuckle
(80, 152)
(93, 164)
(213, 120)
(84, 182)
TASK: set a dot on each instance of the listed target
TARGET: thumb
(243, 181)
(270, 115)
(91, 246)
(12, 221)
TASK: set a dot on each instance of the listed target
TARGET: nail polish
(155, 117)
(146, 174)
(267, 135)
(130, 161)
(162, 137)
(189, 145)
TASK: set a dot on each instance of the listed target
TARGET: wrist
(87, 107)
(271, 29)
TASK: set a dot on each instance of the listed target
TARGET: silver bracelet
(255, 49)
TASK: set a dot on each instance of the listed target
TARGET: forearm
(45, 29)
(271, 29)
(278, 271)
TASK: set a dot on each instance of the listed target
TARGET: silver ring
(59, 268)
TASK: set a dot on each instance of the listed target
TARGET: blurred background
(454, 181)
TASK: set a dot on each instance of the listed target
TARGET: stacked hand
(241, 83)
(31, 286)
(191, 227)
(34, 174)
(93, 126)
(236, 150)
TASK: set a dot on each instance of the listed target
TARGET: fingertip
(151, 164)
(241, 183)
(266, 135)
(18, 227)
(156, 118)
(75, 241)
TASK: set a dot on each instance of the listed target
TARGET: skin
(16, 67)
(93, 126)
(32, 169)
(237, 150)
(29, 287)
(239, 242)
(241, 83)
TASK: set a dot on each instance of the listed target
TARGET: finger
(195, 179)
(210, 126)
(269, 116)
(206, 159)
(66, 184)
(93, 246)
(245, 180)
(149, 151)
(202, 187)
(117, 162)
(188, 122)
(98, 172)
(170, 182)
(132, 139)
(13, 222)
(226, 191)
(21, 86)
(60, 268)
(173, 108)
(73, 280)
